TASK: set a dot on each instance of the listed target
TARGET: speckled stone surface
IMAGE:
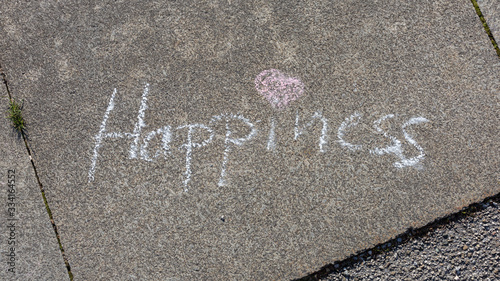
(491, 12)
(367, 118)
(466, 249)
(25, 225)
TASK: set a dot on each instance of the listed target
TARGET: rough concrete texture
(396, 104)
(466, 249)
(25, 225)
(491, 12)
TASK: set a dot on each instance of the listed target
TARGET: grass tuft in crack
(19, 125)
(16, 117)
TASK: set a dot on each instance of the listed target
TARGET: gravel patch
(464, 246)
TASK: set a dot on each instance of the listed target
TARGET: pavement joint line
(383, 247)
(407, 236)
(486, 27)
(42, 191)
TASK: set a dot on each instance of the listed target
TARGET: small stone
(465, 248)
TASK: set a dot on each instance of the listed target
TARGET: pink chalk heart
(278, 88)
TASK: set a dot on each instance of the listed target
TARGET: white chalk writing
(99, 136)
(348, 123)
(322, 139)
(229, 140)
(189, 145)
(396, 146)
(271, 145)
(140, 122)
(140, 140)
(165, 140)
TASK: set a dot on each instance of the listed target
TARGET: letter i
(271, 144)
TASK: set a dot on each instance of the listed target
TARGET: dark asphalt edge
(407, 236)
(42, 190)
(354, 259)
(411, 233)
(486, 27)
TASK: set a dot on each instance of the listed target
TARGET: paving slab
(28, 248)
(467, 248)
(491, 12)
(249, 140)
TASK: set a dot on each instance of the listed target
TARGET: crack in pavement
(486, 27)
(42, 191)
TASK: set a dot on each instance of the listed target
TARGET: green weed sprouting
(15, 116)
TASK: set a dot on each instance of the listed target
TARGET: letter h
(103, 134)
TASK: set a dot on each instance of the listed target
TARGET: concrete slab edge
(410, 234)
(42, 191)
(486, 27)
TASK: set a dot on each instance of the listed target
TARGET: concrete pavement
(250, 140)
(491, 12)
(29, 248)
